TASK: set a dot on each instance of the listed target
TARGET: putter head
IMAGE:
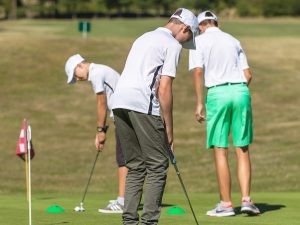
(79, 208)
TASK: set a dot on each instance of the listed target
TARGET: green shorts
(228, 108)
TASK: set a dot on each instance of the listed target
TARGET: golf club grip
(171, 155)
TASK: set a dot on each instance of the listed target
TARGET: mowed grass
(63, 119)
(276, 208)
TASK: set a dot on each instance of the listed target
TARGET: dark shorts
(119, 153)
(142, 137)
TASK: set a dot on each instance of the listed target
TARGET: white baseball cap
(189, 19)
(70, 66)
(206, 15)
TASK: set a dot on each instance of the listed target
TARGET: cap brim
(71, 80)
(190, 44)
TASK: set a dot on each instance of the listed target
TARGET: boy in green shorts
(220, 64)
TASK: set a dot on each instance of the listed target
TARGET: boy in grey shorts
(103, 80)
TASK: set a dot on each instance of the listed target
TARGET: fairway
(63, 120)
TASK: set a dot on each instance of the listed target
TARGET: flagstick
(29, 170)
(26, 172)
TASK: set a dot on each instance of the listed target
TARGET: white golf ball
(77, 209)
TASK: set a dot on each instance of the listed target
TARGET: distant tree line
(138, 8)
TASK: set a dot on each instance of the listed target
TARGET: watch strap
(102, 129)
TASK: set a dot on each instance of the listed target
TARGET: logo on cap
(178, 12)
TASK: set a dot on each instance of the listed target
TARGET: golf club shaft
(185, 192)
(173, 160)
(91, 173)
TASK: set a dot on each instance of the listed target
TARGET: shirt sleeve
(242, 57)
(98, 83)
(171, 60)
(196, 58)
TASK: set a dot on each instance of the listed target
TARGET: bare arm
(248, 75)
(198, 84)
(101, 122)
(166, 104)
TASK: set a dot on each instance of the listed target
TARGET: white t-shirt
(103, 78)
(220, 55)
(153, 54)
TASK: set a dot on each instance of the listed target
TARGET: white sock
(120, 200)
(226, 204)
(246, 198)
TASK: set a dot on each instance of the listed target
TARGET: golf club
(80, 208)
(173, 161)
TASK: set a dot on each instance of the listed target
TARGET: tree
(10, 8)
(113, 4)
(71, 6)
(125, 5)
(166, 5)
(143, 6)
(203, 5)
(13, 11)
(248, 7)
(280, 8)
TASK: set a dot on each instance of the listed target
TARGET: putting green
(277, 209)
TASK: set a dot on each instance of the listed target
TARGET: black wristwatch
(102, 129)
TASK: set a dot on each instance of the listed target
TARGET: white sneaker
(249, 208)
(112, 207)
(221, 211)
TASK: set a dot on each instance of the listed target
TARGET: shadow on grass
(64, 222)
(162, 205)
(46, 198)
(263, 207)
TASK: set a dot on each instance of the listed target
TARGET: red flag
(24, 142)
